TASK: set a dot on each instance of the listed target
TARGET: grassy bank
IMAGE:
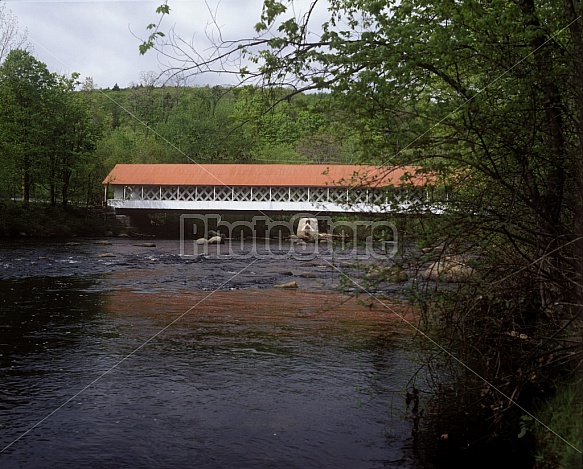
(40, 220)
(564, 415)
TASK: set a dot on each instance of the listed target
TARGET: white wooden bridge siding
(251, 198)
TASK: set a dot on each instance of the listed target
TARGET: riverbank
(42, 221)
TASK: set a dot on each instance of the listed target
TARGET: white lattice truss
(333, 199)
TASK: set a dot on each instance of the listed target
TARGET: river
(114, 354)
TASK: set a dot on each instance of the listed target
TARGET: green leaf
(145, 47)
(163, 9)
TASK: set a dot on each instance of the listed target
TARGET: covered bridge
(265, 187)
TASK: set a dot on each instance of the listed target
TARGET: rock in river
(450, 269)
(287, 285)
(216, 240)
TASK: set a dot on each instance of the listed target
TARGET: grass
(564, 414)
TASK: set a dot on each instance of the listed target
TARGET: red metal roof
(306, 175)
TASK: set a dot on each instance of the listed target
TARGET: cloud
(97, 37)
(92, 38)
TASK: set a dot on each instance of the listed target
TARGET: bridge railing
(317, 198)
(263, 194)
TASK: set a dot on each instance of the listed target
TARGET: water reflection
(44, 315)
(246, 378)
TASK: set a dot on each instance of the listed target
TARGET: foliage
(180, 124)
(48, 131)
(25, 86)
(564, 414)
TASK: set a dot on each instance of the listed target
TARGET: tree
(320, 148)
(142, 102)
(25, 84)
(47, 128)
(488, 95)
(10, 37)
(74, 133)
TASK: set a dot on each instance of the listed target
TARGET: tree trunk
(26, 181)
(65, 188)
(52, 186)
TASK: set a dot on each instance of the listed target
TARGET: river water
(146, 358)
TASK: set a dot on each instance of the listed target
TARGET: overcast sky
(96, 37)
